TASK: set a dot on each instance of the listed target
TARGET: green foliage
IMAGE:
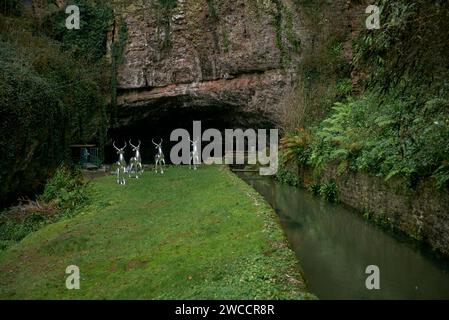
(167, 5)
(287, 177)
(336, 49)
(286, 39)
(295, 147)
(344, 88)
(13, 230)
(441, 175)
(11, 7)
(329, 191)
(64, 195)
(117, 49)
(51, 97)
(29, 117)
(390, 139)
(324, 69)
(334, 141)
(314, 188)
(399, 126)
(90, 40)
(213, 14)
(406, 53)
(164, 11)
(67, 189)
(382, 220)
(89, 43)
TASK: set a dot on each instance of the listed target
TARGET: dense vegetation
(163, 10)
(11, 7)
(399, 124)
(65, 194)
(54, 84)
(133, 243)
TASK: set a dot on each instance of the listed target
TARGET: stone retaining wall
(422, 213)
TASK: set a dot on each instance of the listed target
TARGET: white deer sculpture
(135, 166)
(159, 159)
(121, 164)
(194, 154)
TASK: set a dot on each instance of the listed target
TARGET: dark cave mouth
(160, 123)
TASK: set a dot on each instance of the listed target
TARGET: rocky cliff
(206, 54)
(241, 55)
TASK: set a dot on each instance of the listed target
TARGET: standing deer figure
(135, 166)
(121, 164)
(194, 154)
(159, 159)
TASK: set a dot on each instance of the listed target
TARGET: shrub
(286, 177)
(399, 126)
(295, 147)
(314, 188)
(64, 195)
(329, 191)
(387, 136)
(67, 189)
(91, 42)
(48, 101)
(344, 88)
(441, 175)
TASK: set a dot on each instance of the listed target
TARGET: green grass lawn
(185, 235)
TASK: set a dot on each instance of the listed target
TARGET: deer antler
(119, 149)
(131, 144)
(157, 144)
(139, 144)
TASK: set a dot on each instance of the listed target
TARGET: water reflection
(335, 245)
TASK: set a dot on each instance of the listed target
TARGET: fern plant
(329, 191)
(295, 147)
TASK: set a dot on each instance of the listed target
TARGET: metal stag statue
(194, 154)
(121, 164)
(135, 166)
(159, 159)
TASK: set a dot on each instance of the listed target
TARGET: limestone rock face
(205, 53)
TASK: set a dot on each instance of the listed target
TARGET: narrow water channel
(335, 245)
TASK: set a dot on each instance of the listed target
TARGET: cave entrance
(158, 124)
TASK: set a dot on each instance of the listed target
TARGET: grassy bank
(185, 235)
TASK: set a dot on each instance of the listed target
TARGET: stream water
(335, 245)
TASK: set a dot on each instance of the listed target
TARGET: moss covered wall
(421, 213)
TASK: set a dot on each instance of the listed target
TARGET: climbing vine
(164, 11)
(286, 39)
(213, 14)
(91, 42)
(117, 48)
